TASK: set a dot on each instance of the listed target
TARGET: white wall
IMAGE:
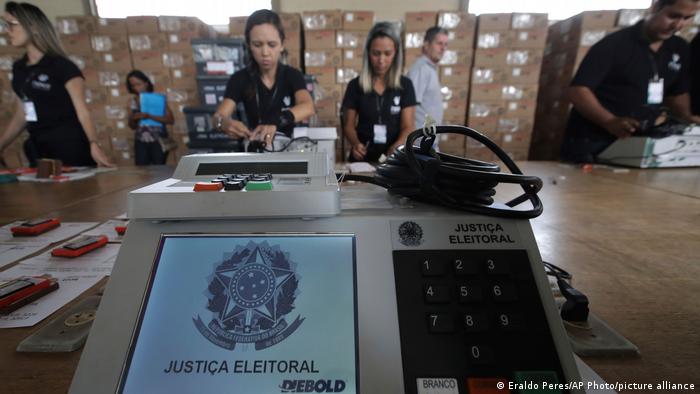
(383, 9)
(54, 8)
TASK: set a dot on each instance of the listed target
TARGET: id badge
(655, 91)
(29, 111)
(379, 134)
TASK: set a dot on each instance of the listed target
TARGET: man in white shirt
(424, 75)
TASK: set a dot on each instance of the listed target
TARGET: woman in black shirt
(379, 105)
(50, 94)
(274, 95)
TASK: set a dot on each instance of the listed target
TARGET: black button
(234, 185)
(497, 266)
(503, 292)
(440, 323)
(469, 292)
(436, 294)
(475, 322)
(509, 322)
(219, 179)
(430, 267)
(480, 354)
(465, 267)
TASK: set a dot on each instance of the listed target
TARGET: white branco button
(437, 386)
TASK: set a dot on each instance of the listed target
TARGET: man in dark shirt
(695, 75)
(625, 76)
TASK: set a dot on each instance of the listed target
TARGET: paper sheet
(62, 232)
(9, 253)
(107, 228)
(70, 286)
(360, 166)
(74, 275)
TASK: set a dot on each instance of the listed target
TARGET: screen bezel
(153, 272)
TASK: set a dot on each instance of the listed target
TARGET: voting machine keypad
(235, 182)
(470, 319)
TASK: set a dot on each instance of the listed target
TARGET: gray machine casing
(380, 361)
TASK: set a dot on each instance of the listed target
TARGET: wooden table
(630, 238)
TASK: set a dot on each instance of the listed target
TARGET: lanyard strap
(272, 99)
(654, 67)
(380, 106)
(26, 83)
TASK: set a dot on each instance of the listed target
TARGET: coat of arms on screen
(250, 294)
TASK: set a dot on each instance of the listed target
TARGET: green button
(254, 186)
(536, 382)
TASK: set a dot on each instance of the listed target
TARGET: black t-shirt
(618, 70)
(44, 84)
(695, 74)
(374, 109)
(245, 86)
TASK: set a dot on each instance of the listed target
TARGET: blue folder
(154, 104)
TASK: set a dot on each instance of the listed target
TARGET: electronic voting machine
(276, 281)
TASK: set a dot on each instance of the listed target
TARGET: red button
(487, 386)
(208, 186)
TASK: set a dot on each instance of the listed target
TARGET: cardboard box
(456, 20)
(495, 39)
(290, 22)
(346, 74)
(452, 144)
(334, 92)
(420, 21)
(457, 74)
(142, 24)
(322, 20)
(148, 61)
(494, 57)
(293, 58)
(489, 75)
(78, 44)
(486, 125)
(319, 39)
(180, 41)
(410, 56)
(161, 80)
(487, 92)
(460, 119)
(292, 40)
(111, 26)
(455, 92)
(350, 39)
(177, 59)
(358, 20)
(528, 21)
(185, 72)
(520, 109)
(413, 39)
(170, 24)
(116, 61)
(323, 57)
(182, 96)
(148, 42)
(324, 75)
(494, 22)
(528, 74)
(353, 57)
(88, 61)
(595, 19)
(460, 39)
(519, 92)
(70, 25)
(453, 57)
(117, 95)
(109, 43)
(326, 108)
(95, 96)
(486, 109)
(236, 25)
(530, 39)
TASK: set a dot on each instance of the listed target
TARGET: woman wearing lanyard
(379, 105)
(274, 95)
(50, 94)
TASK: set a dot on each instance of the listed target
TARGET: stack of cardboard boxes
(333, 49)
(569, 41)
(505, 80)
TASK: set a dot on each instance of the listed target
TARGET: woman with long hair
(379, 105)
(50, 92)
(151, 136)
(274, 95)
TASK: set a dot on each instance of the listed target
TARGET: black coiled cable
(455, 182)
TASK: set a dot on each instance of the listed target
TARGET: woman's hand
(99, 156)
(138, 115)
(236, 129)
(264, 133)
(359, 151)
